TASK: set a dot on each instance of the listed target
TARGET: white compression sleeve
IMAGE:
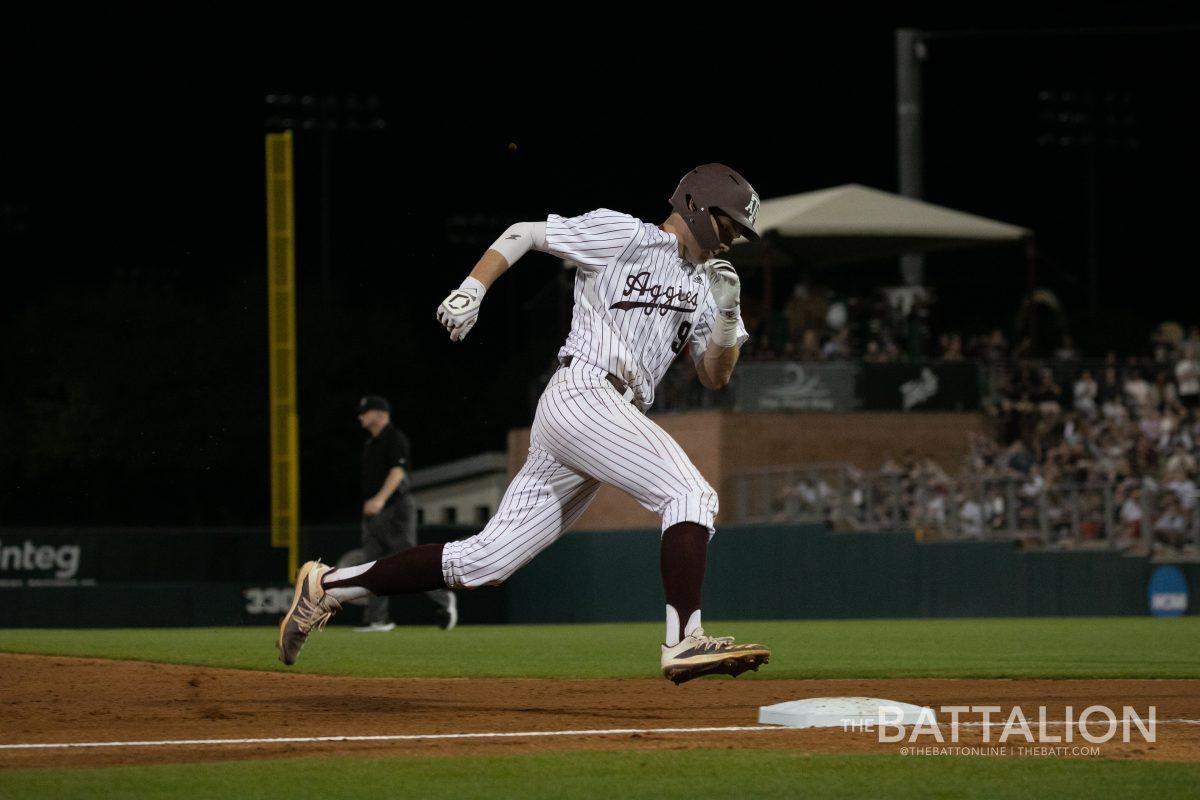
(519, 239)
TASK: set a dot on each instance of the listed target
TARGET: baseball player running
(643, 294)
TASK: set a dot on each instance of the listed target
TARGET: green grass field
(662, 775)
(975, 648)
(1078, 647)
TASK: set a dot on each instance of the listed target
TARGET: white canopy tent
(857, 223)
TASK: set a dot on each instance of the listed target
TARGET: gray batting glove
(723, 283)
(459, 311)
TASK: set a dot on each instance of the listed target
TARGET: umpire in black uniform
(389, 522)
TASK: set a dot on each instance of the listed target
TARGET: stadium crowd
(1080, 451)
(887, 325)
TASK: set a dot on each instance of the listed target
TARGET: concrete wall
(725, 443)
(136, 577)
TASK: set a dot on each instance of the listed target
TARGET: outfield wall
(790, 572)
(139, 578)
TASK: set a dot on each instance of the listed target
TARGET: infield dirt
(57, 699)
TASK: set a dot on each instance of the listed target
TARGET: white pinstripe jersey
(637, 302)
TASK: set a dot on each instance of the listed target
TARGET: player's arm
(392, 482)
(721, 354)
(460, 309)
(716, 367)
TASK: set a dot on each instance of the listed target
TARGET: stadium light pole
(1089, 122)
(325, 114)
(910, 53)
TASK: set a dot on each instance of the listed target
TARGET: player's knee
(484, 574)
(477, 562)
(698, 505)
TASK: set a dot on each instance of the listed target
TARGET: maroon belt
(621, 386)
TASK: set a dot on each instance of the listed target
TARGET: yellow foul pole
(281, 313)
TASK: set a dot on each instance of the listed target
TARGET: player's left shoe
(699, 654)
(311, 609)
(448, 616)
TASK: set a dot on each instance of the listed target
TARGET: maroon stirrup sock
(418, 569)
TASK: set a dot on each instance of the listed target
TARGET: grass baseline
(659, 774)
(1074, 647)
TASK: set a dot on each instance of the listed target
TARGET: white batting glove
(726, 289)
(723, 283)
(460, 309)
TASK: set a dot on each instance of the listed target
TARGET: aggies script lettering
(661, 300)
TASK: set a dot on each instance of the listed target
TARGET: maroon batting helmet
(715, 187)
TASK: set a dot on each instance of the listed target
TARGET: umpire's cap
(373, 402)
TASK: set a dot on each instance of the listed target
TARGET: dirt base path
(49, 699)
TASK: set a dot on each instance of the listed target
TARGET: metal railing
(1127, 516)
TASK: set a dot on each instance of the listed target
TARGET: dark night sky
(132, 197)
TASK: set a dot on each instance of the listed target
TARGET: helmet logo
(752, 208)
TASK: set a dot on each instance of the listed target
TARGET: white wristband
(725, 328)
(471, 283)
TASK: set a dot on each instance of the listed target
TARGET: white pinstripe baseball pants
(584, 435)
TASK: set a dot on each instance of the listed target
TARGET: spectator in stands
(1019, 460)
(1162, 341)
(1009, 418)
(1111, 395)
(1187, 378)
(1066, 350)
(1181, 485)
(1025, 348)
(806, 309)
(917, 327)
(1180, 461)
(970, 518)
(1086, 391)
(810, 346)
(951, 347)
(996, 347)
(1137, 390)
(1151, 425)
(1170, 527)
(837, 348)
(1091, 516)
(1192, 342)
(1129, 495)
(934, 509)
(1160, 394)
(1144, 457)
(1047, 395)
(891, 351)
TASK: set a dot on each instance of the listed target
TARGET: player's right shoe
(698, 655)
(311, 609)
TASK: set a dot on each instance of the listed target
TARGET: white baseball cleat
(698, 655)
(448, 617)
(311, 609)
(376, 627)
